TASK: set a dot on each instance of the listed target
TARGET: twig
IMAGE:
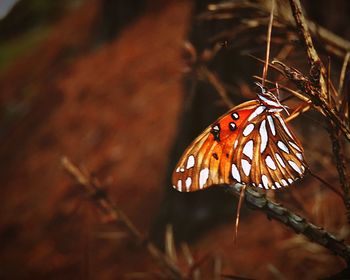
(298, 111)
(331, 42)
(299, 224)
(304, 34)
(341, 168)
(215, 82)
(239, 206)
(269, 31)
(319, 102)
(115, 215)
(343, 72)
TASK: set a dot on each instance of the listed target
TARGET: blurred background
(113, 86)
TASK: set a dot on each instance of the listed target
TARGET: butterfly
(251, 145)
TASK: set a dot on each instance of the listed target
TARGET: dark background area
(103, 83)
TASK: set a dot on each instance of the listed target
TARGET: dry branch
(320, 103)
(305, 37)
(323, 98)
(299, 224)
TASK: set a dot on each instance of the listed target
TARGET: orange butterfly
(251, 145)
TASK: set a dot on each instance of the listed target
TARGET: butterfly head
(269, 100)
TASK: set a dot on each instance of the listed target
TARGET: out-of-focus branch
(216, 83)
(299, 224)
(343, 72)
(224, 11)
(115, 215)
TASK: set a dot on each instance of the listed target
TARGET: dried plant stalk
(299, 224)
(115, 215)
(320, 98)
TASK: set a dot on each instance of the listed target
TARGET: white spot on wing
(295, 166)
(270, 163)
(295, 146)
(290, 180)
(265, 181)
(246, 167)
(182, 169)
(235, 116)
(260, 186)
(236, 143)
(248, 129)
(203, 177)
(177, 169)
(272, 125)
(179, 185)
(284, 125)
(280, 160)
(275, 110)
(282, 146)
(269, 102)
(235, 173)
(284, 183)
(188, 183)
(257, 112)
(278, 185)
(190, 162)
(248, 149)
(299, 156)
(263, 135)
(216, 128)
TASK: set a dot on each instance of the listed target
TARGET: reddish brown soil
(113, 110)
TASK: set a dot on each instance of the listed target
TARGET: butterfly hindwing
(283, 157)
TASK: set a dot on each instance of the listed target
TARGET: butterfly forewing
(248, 145)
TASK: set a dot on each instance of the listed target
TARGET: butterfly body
(251, 144)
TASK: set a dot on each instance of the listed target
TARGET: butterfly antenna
(240, 202)
(269, 31)
(326, 184)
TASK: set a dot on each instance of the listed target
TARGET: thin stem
(343, 72)
(269, 31)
